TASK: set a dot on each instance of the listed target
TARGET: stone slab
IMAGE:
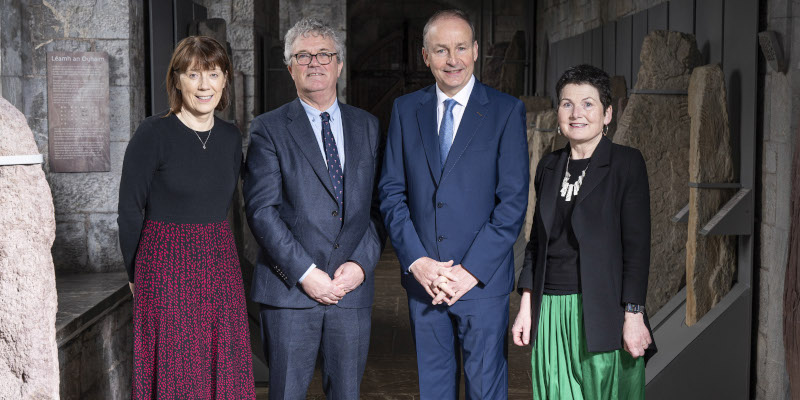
(542, 134)
(536, 104)
(619, 95)
(512, 75)
(28, 353)
(710, 260)
(659, 125)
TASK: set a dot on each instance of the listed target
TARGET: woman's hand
(635, 336)
(521, 330)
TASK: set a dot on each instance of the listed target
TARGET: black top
(168, 176)
(562, 274)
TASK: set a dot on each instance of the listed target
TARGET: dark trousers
(475, 330)
(293, 338)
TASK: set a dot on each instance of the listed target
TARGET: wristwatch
(634, 308)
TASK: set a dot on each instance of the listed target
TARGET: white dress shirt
(461, 98)
(338, 135)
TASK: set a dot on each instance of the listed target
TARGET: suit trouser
(294, 337)
(475, 329)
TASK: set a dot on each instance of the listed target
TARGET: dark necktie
(446, 130)
(332, 156)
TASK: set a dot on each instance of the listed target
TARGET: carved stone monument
(28, 351)
(710, 260)
(619, 99)
(542, 135)
(658, 125)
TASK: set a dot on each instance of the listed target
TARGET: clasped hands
(443, 281)
(325, 290)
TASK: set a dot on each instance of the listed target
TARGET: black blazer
(611, 221)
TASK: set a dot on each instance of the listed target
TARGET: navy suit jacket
(293, 214)
(471, 210)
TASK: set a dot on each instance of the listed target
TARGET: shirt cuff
(308, 271)
(413, 263)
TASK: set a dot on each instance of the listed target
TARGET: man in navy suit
(453, 191)
(308, 188)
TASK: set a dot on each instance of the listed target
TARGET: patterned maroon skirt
(190, 333)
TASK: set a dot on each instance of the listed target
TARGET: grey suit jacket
(293, 214)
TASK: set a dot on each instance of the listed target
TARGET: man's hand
(426, 270)
(348, 276)
(521, 330)
(133, 288)
(321, 288)
(635, 336)
(453, 289)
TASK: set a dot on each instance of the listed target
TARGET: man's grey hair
(311, 27)
(442, 14)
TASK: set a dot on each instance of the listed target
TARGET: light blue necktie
(446, 130)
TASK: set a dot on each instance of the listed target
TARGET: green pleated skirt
(563, 368)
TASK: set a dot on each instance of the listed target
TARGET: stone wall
(85, 203)
(779, 124)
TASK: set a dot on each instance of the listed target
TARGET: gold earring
(605, 130)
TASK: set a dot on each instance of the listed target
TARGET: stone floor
(392, 367)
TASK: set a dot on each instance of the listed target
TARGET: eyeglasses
(322, 58)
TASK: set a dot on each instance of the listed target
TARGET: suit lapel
(303, 135)
(551, 185)
(426, 118)
(470, 123)
(353, 149)
(598, 169)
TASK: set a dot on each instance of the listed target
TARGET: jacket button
(439, 205)
(440, 238)
(336, 245)
(335, 213)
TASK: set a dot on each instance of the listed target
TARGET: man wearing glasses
(308, 189)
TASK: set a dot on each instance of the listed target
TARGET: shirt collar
(461, 97)
(313, 113)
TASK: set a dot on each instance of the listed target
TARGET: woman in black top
(584, 279)
(181, 167)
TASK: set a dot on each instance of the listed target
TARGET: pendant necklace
(568, 190)
(201, 140)
(195, 132)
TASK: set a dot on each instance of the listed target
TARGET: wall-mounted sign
(78, 112)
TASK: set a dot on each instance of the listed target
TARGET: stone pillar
(619, 99)
(710, 260)
(541, 138)
(658, 125)
(28, 351)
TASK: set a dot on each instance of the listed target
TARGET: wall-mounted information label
(78, 112)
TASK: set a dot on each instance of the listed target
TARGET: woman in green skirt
(584, 280)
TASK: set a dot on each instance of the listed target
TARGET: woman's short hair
(588, 75)
(311, 26)
(201, 53)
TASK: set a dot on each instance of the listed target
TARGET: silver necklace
(201, 140)
(568, 190)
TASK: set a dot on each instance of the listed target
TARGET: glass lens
(324, 58)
